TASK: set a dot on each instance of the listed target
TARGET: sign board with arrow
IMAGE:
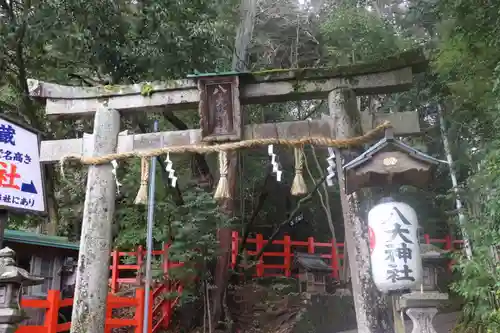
(21, 174)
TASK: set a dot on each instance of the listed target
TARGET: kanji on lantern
(396, 263)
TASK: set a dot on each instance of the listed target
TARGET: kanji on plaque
(396, 261)
(21, 183)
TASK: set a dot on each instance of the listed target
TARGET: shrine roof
(394, 143)
(312, 262)
(25, 237)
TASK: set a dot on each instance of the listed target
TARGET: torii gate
(340, 85)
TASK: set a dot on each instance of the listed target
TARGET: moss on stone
(412, 58)
(147, 90)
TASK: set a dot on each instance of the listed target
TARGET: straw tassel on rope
(142, 194)
(299, 186)
(222, 191)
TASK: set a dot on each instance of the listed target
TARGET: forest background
(92, 42)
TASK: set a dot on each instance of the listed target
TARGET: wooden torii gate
(107, 104)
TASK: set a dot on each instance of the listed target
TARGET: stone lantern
(12, 280)
(434, 261)
(422, 304)
(386, 163)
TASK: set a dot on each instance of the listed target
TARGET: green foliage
(354, 34)
(119, 42)
(468, 65)
(479, 283)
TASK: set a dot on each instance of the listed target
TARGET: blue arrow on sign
(28, 188)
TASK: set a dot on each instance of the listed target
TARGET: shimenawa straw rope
(207, 149)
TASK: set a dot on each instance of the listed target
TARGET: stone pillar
(372, 313)
(422, 319)
(91, 290)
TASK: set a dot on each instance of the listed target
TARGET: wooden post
(150, 311)
(260, 265)
(141, 271)
(447, 243)
(288, 255)
(89, 308)
(52, 314)
(139, 311)
(242, 42)
(372, 313)
(427, 239)
(310, 245)
(234, 249)
(335, 262)
(114, 271)
(109, 315)
(166, 265)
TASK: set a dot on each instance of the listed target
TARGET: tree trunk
(242, 42)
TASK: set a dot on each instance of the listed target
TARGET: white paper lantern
(394, 246)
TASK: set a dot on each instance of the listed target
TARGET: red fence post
(260, 264)
(334, 263)
(109, 315)
(447, 243)
(310, 245)
(114, 271)
(427, 239)
(52, 314)
(288, 255)
(150, 311)
(139, 273)
(234, 248)
(166, 262)
(139, 310)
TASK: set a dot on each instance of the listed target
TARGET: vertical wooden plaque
(220, 117)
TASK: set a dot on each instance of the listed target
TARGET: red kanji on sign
(8, 175)
(371, 238)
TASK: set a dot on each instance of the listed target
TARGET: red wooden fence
(162, 311)
(334, 255)
(117, 266)
(54, 302)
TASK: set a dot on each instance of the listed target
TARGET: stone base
(422, 319)
(8, 328)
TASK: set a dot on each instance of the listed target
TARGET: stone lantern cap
(433, 254)
(10, 273)
(389, 161)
